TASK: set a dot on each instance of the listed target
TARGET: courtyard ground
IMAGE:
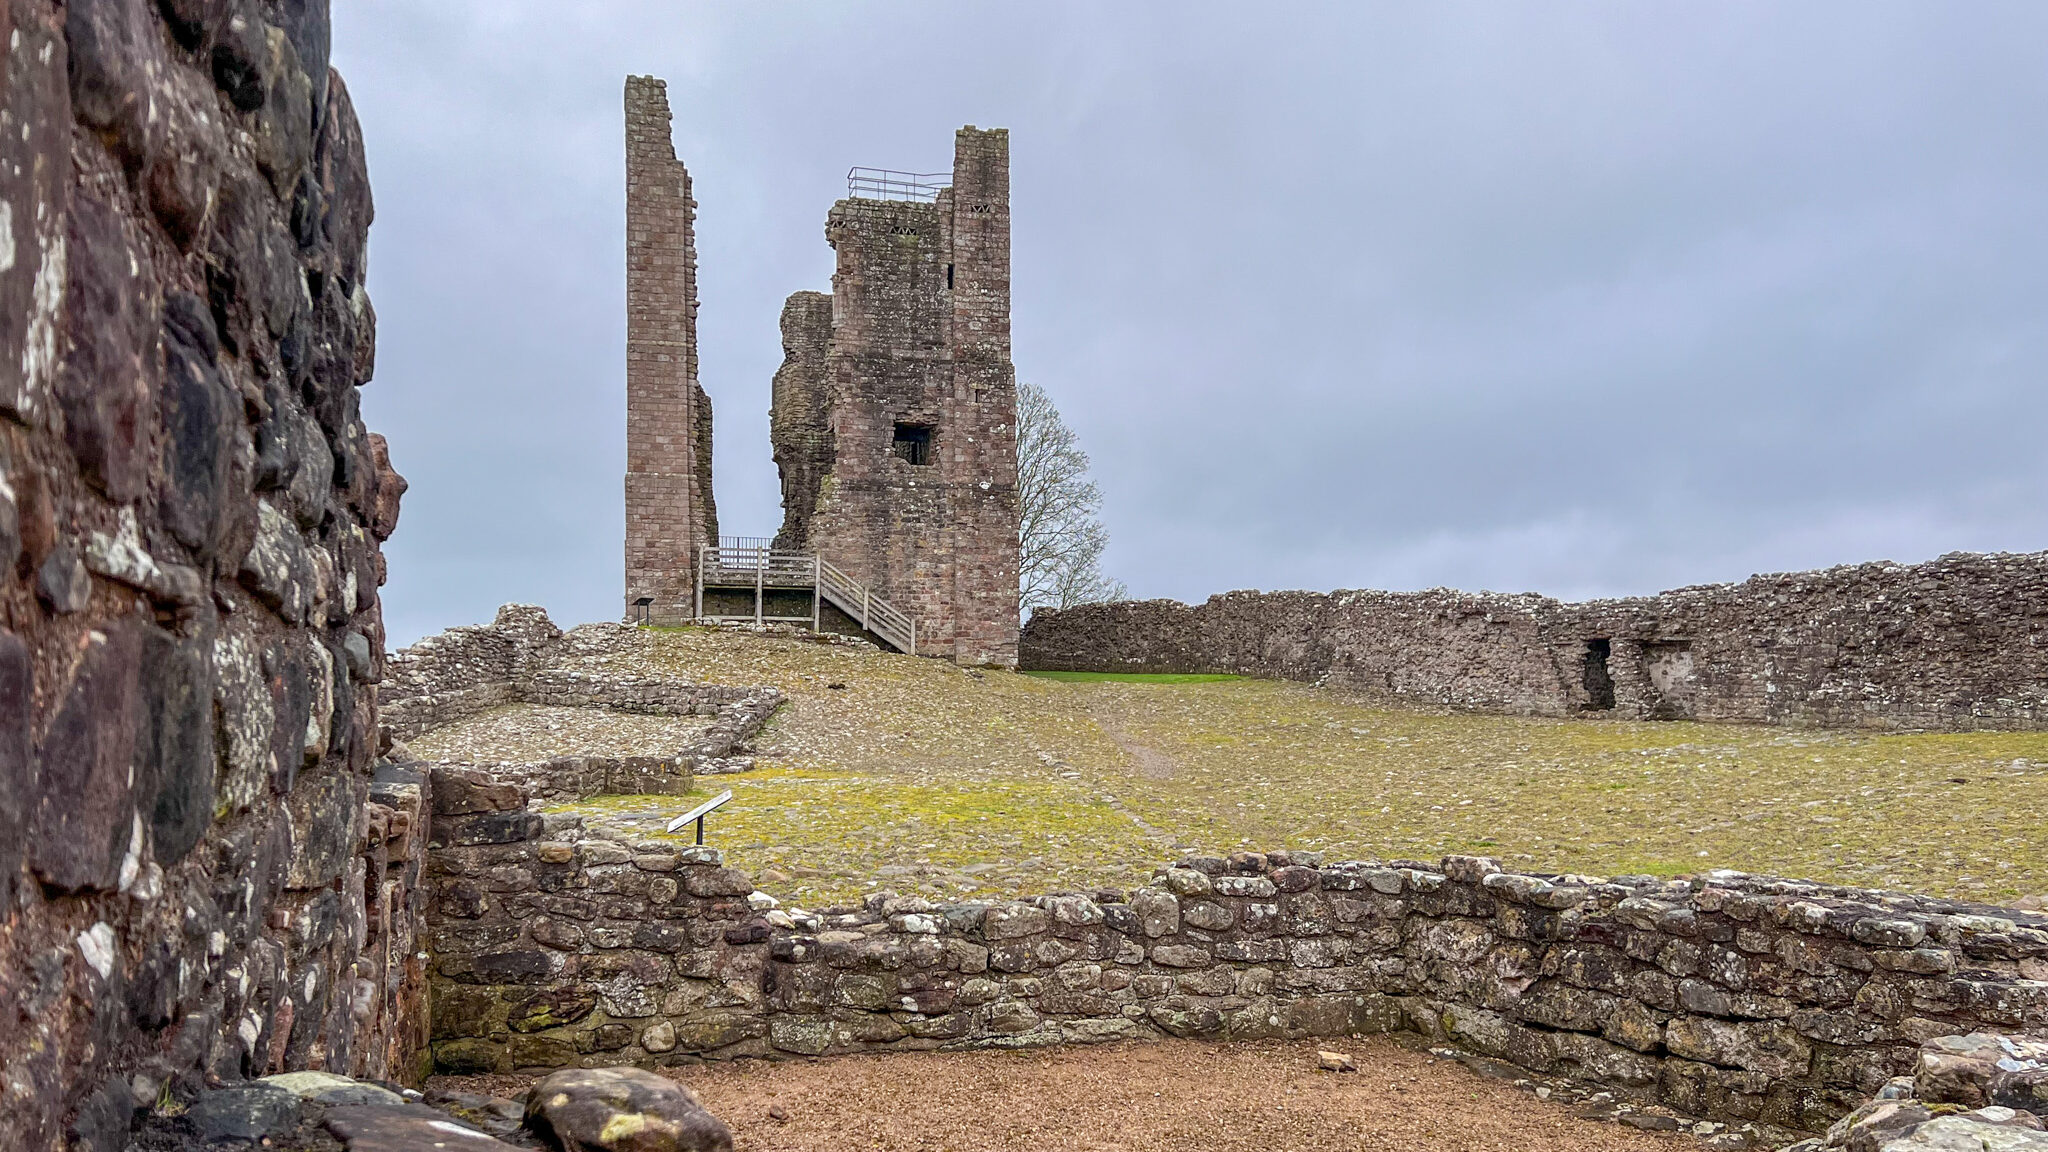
(1166, 1096)
(885, 771)
(527, 733)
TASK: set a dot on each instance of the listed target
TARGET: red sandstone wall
(199, 875)
(799, 420)
(922, 336)
(669, 506)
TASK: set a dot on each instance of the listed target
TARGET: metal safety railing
(883, 184)
(698, 813)
(741, 562)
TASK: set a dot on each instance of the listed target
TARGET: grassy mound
(888, 771)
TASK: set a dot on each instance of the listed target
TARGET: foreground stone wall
(1956, 643)
(1976, 1092)
(1733, 996)
(199, 874)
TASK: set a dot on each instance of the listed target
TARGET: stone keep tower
(918, 496)
(669, 509)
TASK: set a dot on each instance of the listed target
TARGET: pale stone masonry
(1742, 998)
(1955, 643)
(921, 497)
(669, 506)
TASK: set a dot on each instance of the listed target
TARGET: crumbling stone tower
(669, 507)
(799, 422)
(920, 430)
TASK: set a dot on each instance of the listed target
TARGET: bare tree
(1062, 538)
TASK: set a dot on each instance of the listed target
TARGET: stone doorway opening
(1595, 676)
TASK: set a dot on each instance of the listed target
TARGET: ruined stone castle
(894, 416)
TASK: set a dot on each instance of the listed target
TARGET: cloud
(1584, 299)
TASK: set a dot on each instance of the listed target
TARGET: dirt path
(1169, 1096)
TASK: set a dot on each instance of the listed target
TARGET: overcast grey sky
(1580, 298)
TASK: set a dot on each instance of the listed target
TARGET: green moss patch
(1136, 677)
(921, 777)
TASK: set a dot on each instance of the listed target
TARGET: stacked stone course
(466, 670)
(200, 875)
(1955, 643)
(1974, 1093)
(1731, 996)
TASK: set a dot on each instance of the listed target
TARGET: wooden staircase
(741, 564)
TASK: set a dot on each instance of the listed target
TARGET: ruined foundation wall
(464, 671)
(1955, 643)
(669, 506)
(921, 347)
(199, 875)
(1735, 997)
(522, 658)
(799, 422)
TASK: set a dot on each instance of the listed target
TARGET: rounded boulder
(621, 1110)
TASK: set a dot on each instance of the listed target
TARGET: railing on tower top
(882, 184)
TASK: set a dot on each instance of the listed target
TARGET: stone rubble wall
(466, 671)
(564, 779)
(1735, 997)
(1978, 1092)
(1955, 643)
(201, 876)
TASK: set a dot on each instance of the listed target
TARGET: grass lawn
(1136, 677)
(891, 772)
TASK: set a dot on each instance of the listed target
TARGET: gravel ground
(886, 771)
(1168, 1096)
(529, 733)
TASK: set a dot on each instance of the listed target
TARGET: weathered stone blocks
(202, 876)
(1871, 645)
(1453, 952)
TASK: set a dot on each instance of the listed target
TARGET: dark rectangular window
(914, 443)
(949, 277)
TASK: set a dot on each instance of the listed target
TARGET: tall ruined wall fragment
(799, 423)
(669, 507)
(921, 501)
(1956, 643)
(200, 875)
